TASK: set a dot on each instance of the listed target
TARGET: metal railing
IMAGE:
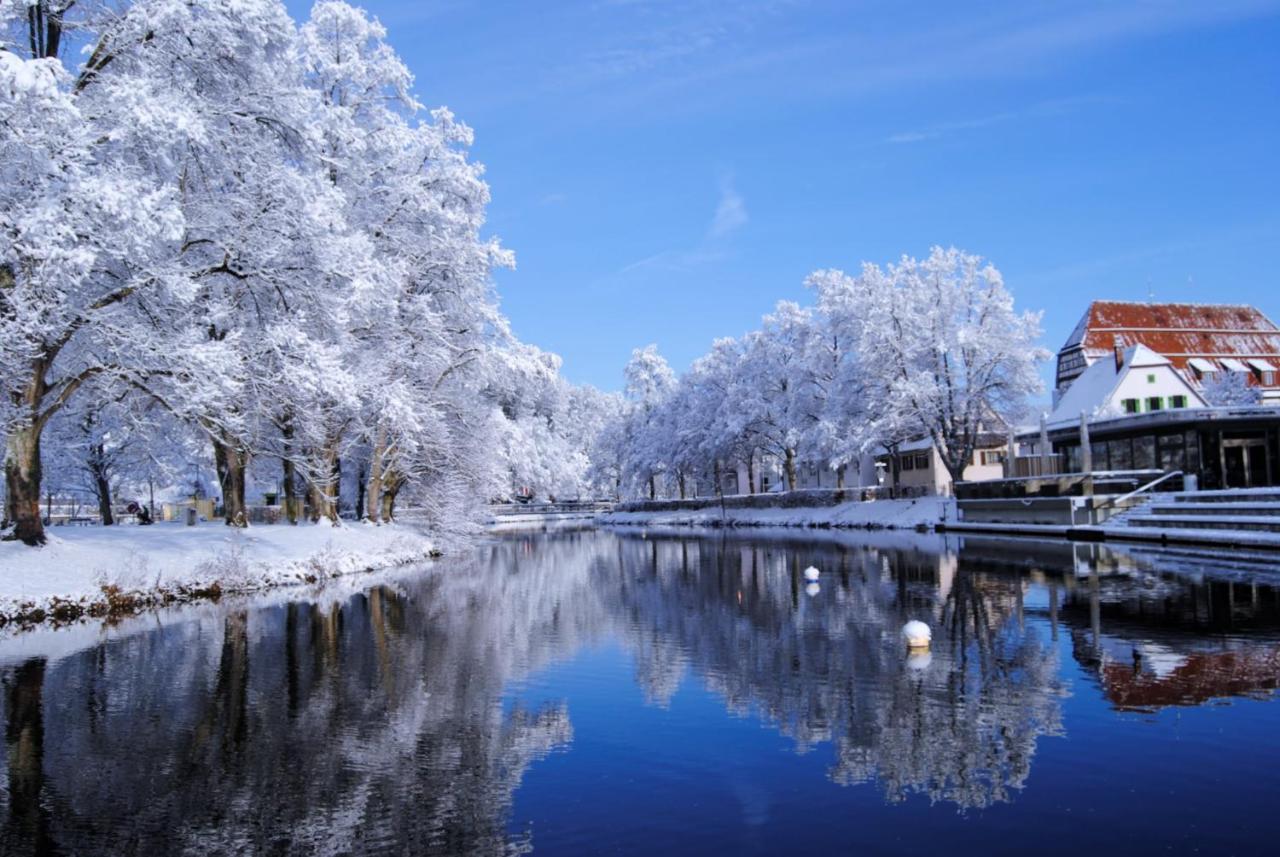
(1116, 501)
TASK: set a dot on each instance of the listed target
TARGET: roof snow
(1093, 390)
(1180, 331)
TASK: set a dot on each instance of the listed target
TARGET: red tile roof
(1178, 331)
(1201, 677)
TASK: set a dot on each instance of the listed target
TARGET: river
(652, 693)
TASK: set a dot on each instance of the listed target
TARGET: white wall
(1134, 385)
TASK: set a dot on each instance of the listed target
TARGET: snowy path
(167, 561)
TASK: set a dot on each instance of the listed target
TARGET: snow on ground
(54, 641)
(82, 566)
(923, 511)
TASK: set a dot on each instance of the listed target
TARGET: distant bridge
(538, 514)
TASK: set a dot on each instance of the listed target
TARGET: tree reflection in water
(960, 726)
(384, 721)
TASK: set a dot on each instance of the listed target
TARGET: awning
(1233, 365)
(1204, 367)
(1261, 365)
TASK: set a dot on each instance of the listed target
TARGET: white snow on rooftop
(1232, 365)
(1261, 365)
(1094, 389)
(1201, 365)
(1142, 356)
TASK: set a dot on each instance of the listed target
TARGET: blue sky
(666, 171)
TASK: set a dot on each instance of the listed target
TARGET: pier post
(1046, 452)
(1086, 454)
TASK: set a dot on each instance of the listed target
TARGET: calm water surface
(587, 692)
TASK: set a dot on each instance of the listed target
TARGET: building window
(1177, 401)
(908, 462)
(922, 461)
(1155, 403)
(1151, 379)
(1130, 406)
(989, 457)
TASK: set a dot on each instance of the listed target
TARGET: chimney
(1119, 349)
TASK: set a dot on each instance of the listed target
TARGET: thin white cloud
(1040, 110)
(730, 215)
(731, 212)
(910, 137)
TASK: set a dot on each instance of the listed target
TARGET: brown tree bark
(288, 481)
(102, 486)
(22, 485)
(374, 487)
(392, 482)
(334, 488)
(231, 463)
(323, 493)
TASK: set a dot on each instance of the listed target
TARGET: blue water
(598, 693)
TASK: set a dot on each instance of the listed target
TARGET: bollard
(191, 517)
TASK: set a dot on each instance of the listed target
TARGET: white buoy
(812, 573)
(812, 589)
(917, 634)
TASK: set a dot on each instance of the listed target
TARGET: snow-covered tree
(941, 352)
(650, 382)
(1230, 390)
(84, 232)
(929, 349)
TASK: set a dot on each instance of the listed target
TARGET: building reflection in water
(383, 721)
(1152, 638)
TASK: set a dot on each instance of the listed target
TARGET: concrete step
(1246, 509)
(1229, 495)
(1255, 523)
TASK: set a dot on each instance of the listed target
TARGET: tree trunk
(335, 484)
(288, 480)
(324, 492)
(653, 487)
(388, 506)
(791, 469)
(751, 473)
(316, 499)
(231, 463)
(101, 485)
(680, 479)
(840, 478)
(373, 493)
(362, 474)
(957, 463)
(22, 485)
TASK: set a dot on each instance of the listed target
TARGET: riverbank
(103, 571)
(921, 512)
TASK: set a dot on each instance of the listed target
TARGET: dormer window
(1202, 368)
(1263, 372)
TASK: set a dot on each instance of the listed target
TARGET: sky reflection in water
(585, 692)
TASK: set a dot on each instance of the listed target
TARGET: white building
(1136, 380)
